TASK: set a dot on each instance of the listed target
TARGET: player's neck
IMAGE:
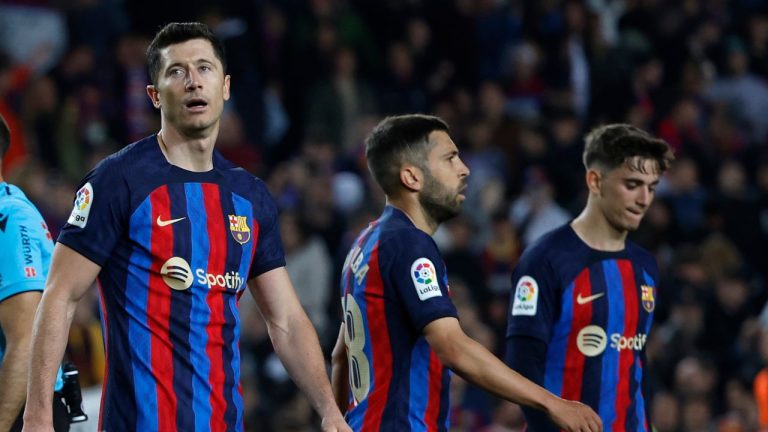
(595, 230)
(415, 213)
(190, 153)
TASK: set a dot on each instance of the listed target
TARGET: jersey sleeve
(419, 277)
(269, 249)
(534, 298)
(99, 214)
(527, 356)
(23, 241)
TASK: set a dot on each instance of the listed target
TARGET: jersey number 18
(354, 338)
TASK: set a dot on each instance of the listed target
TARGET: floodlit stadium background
(518, 81)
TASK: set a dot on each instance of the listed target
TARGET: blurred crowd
(519, 82)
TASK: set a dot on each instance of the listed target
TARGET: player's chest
(608, 308)
(194, 236)
(614, 290)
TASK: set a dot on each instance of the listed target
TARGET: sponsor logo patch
(230, 280)
(647, 298)
(592, 340)
(238, 226)
(177, 274)
(634, 343)
(26, 245)
(425, 279)
(30, 272)
(82, 208)
(526, 297)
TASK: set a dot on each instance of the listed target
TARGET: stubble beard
(438, 202)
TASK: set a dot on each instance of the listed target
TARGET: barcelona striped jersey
(175, 249)
(394, 283)
(593, 310)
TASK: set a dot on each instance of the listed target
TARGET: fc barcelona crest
(238, 226)
(647, 298)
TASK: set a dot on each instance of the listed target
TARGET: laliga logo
(83, 198)
(424, 273)
(526, 289)
(178, 275)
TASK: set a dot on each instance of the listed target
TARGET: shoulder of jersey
(235, 172)
(127, 156)
(226, 164)
(558, 239)
(231, 168)
(18, 207)
(245, 183)
(405, 236)
(16, 212)
(640, 253)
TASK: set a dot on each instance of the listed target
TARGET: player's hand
(575, 417)
(335, 423)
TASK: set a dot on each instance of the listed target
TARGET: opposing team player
(401, 336)
(173, 231)
(584, 295)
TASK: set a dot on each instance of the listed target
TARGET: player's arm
(340, 371)
(69, 278)
(296, 342)
(479, 366)
(16, 316)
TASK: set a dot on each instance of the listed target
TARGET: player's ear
(154, 95)
(411, 177)
(593, 178)
(226, 87)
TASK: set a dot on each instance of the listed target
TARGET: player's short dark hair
(610, 146)
(177, 32)
(5, 137)
(396, 140)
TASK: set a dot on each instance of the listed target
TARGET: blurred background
(519, 82)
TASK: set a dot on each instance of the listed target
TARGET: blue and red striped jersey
(593, 311)
(394, 283)
(175, 249)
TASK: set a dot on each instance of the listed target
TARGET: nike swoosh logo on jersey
(163, 223)
(584, 300)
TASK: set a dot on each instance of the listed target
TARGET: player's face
(445, 179)
(626, 193)
(191, 88)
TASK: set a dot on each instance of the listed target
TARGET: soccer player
(26, 247)
(584, 295)
(175, 233)
(401, 334)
